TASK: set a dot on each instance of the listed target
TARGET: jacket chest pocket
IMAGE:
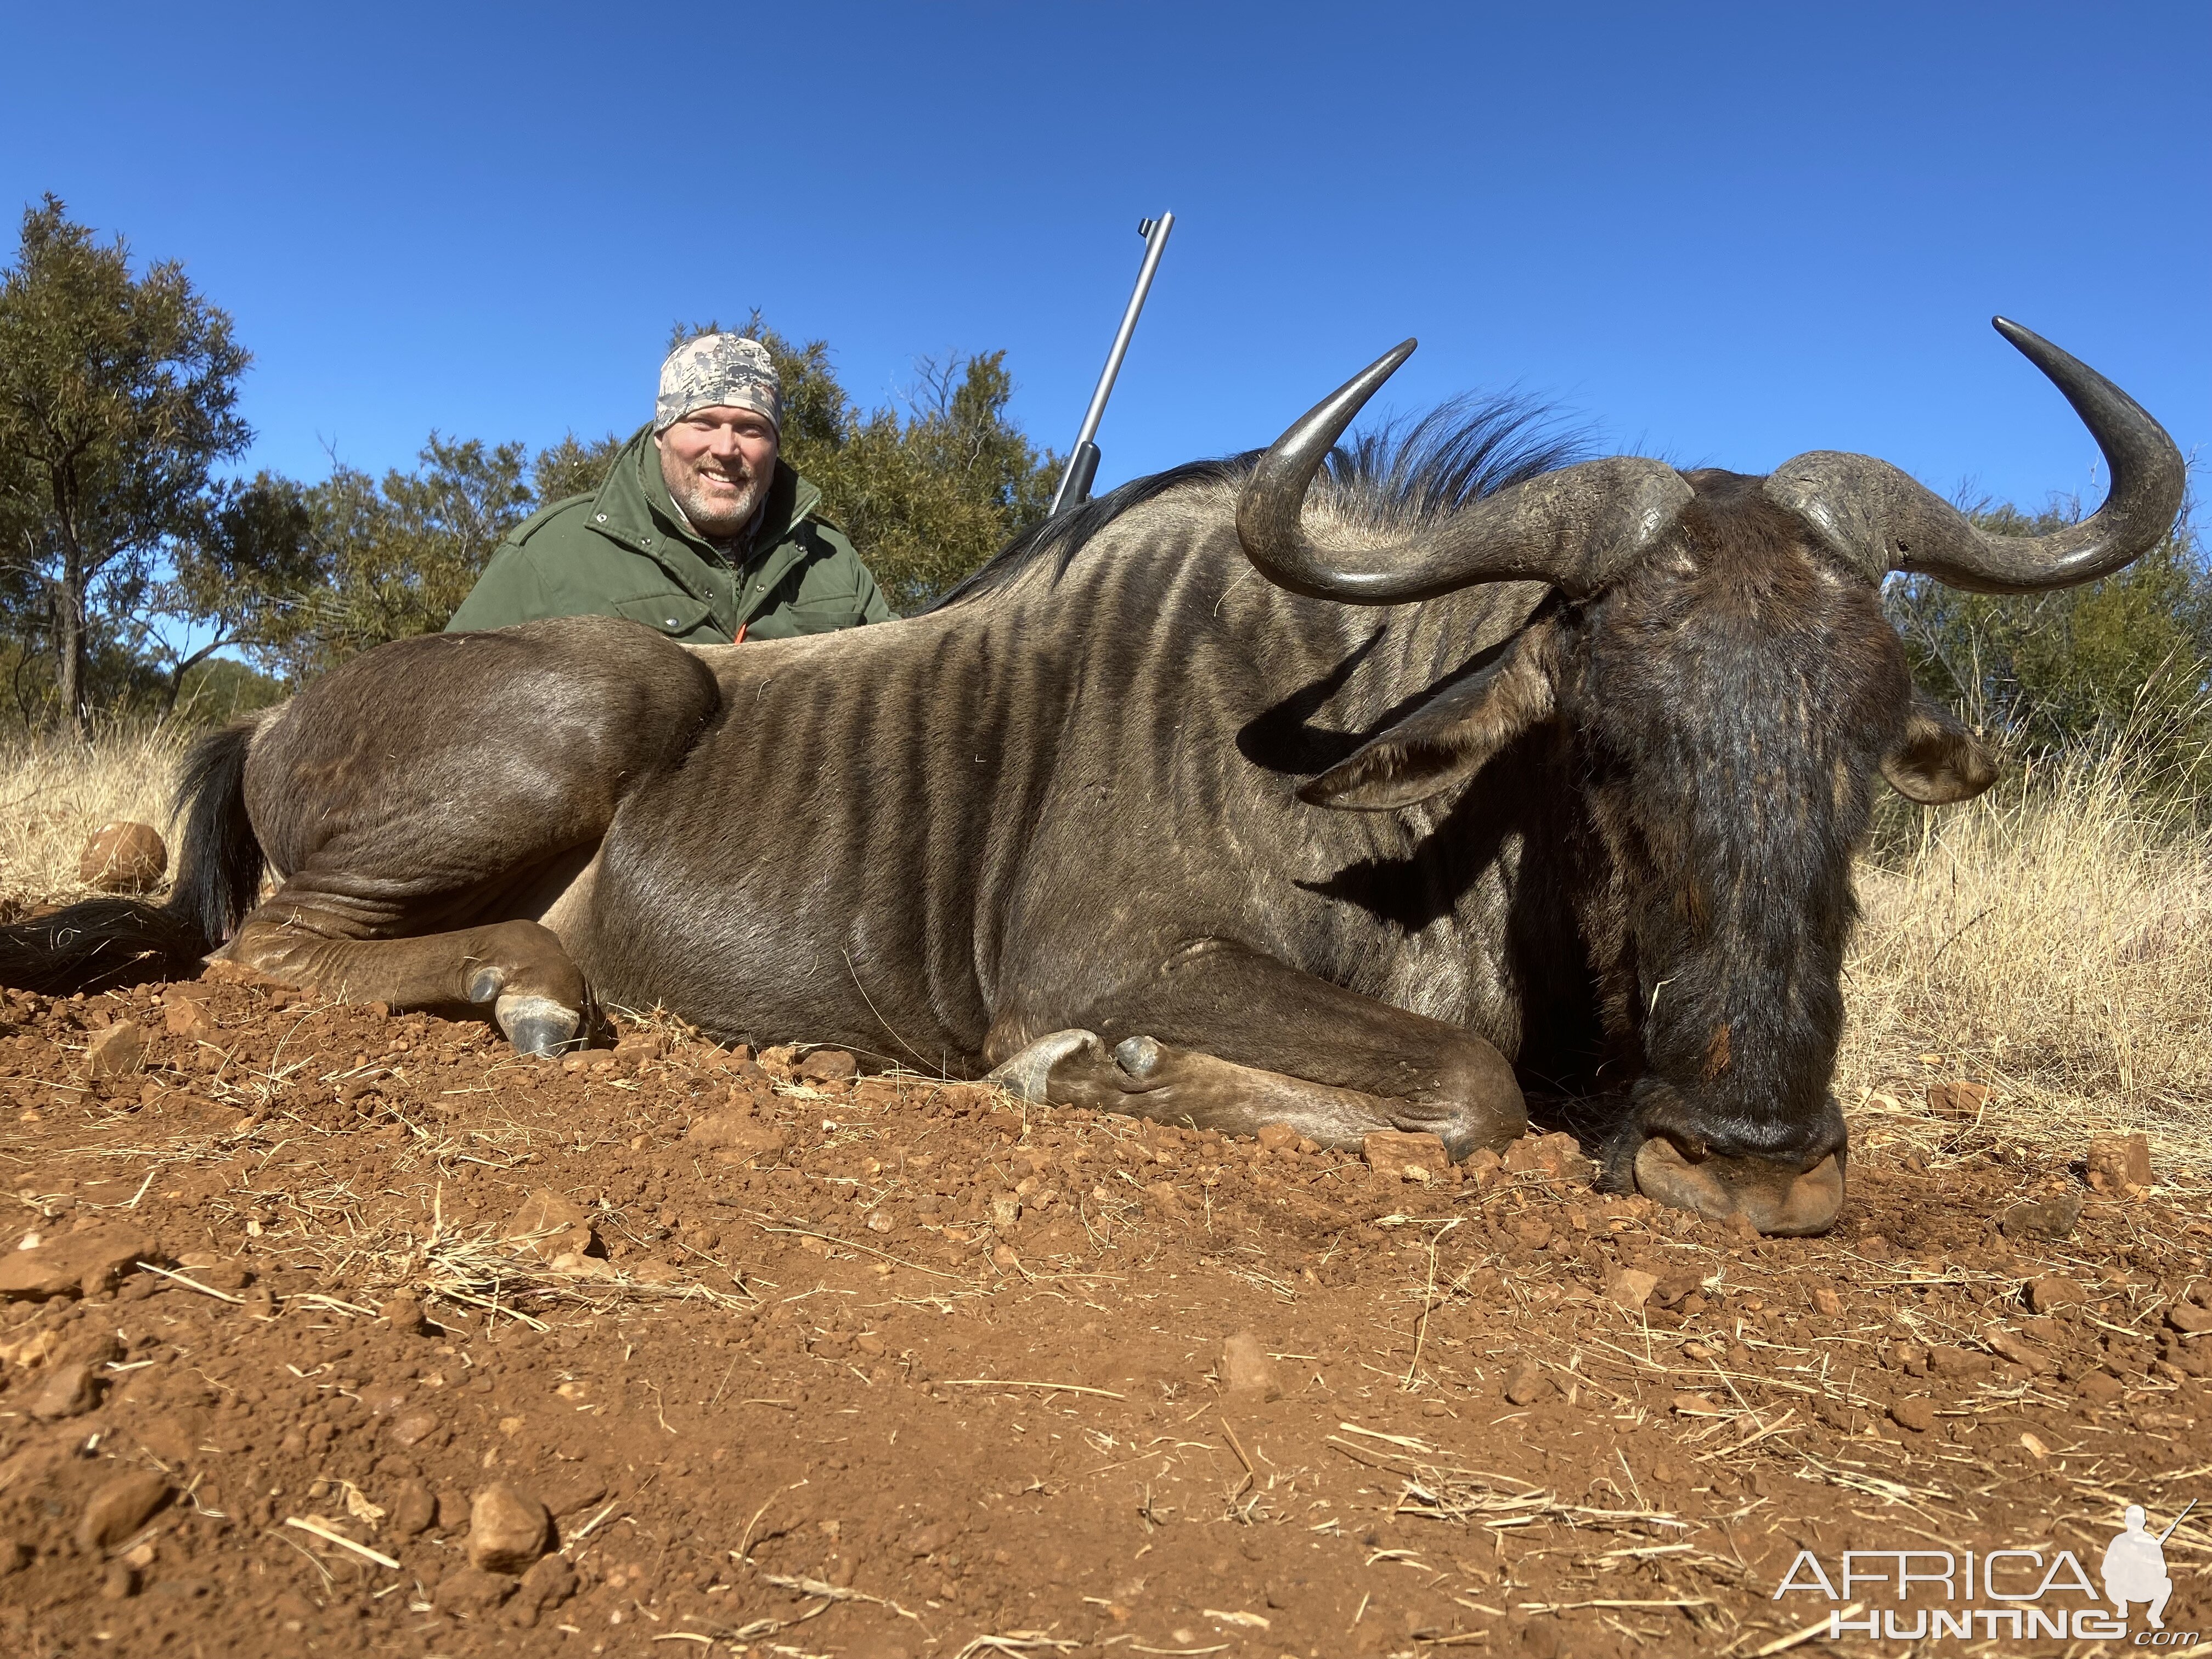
(675, 614)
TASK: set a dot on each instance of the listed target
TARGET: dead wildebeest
(1251, 791)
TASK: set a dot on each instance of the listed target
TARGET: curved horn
(1873, 516)
(1576, 528)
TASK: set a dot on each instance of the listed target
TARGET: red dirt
(939, 1377)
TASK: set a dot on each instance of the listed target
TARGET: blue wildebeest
(1347, 795)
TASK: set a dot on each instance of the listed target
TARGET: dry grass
(54, 793)
(2052, 939)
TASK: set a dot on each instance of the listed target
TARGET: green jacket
(626, 551)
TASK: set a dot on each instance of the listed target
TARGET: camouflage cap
(718, 371)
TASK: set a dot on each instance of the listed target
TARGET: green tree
(118, 396)
(2073, 665)
(926, 495)
(233, 582)
(573, 467)
(396, 557)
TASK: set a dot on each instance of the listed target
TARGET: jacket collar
(635, 508)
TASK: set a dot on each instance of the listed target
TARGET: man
(2135, 1567)
(700, 529)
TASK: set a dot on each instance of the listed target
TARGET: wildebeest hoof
(1028, 1072)
(537, 1025)
(1139, 1056)
(1774, 1198)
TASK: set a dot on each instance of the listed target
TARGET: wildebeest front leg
(538, 995)
(1224, 1038)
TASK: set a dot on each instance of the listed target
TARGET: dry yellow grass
(2053, 939)
(55, 794)
(2049, 940)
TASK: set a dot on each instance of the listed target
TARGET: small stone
(89, 1262)
(123, 857)
(550, 1225)
(118, 1051)
(2189, 1317)
(1916, 1412)
(829, 1066)
(566, 1493)
(2051, 1218)
(68, 1391)
(1276, 1136)
(414, 1508)
(1527, 1384)
(2054, 1291)
(2119, 1165)
(550, 1582)
(1005, 1211)
(1388, 1151)
(119, 1583)
(2018, 1350)
(470, 1590)
(119, 1508)
(735, 1134)
(452, 1511)
(1955, 1097)
(187, 1018)
(1556, 1156)
(1825, 1301)
(404, 1314)
(575, 1264)
(1245, 1369)
(414, 1428)
(2100, 1387)
(1631, 1288)
(506, 1529)
(879, 1221)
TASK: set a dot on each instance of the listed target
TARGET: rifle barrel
(1079, 462)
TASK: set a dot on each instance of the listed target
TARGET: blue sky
(1721, 235)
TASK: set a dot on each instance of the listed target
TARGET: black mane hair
(1400, 474)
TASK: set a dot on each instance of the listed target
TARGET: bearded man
(700, 529)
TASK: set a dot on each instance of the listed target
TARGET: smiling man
(701, 529)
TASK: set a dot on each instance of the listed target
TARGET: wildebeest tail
(104, 943)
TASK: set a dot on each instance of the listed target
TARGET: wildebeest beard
(1240, 796)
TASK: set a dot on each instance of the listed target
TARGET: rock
(470, 1590)
(1915, 1412)
(89, 1263)
(2119, 1165)
(1276, 1136)
(119, 1583)
(570, 1490)
(829, 1066)
(549, 1224)
(735, 1134)
(1826, 1303)
(217, 1273)
(414, 1508)
(452, 1511)
(2054, 1291)
(118, 1508)
(404, 1314)
(1955, 1097)
(550, 1582)
(1527, 1384)
(1245, 1371)
(1631, 1288)
(2017, 1349)
(117, 1051)
(123, 857)
(1556, 1156)
(70, 1390)
(2189, 1317)
(507, 1528)
(1005, 1211)
(575, 1264)
(1391, 1152)
(2101, 1388)
(187, 1018)
(414, 1428)
(2051, 1218)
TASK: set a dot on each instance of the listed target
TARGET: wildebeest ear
(1448, 739)
(1937, 761)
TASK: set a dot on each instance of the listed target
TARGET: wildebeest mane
(1400, 475)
